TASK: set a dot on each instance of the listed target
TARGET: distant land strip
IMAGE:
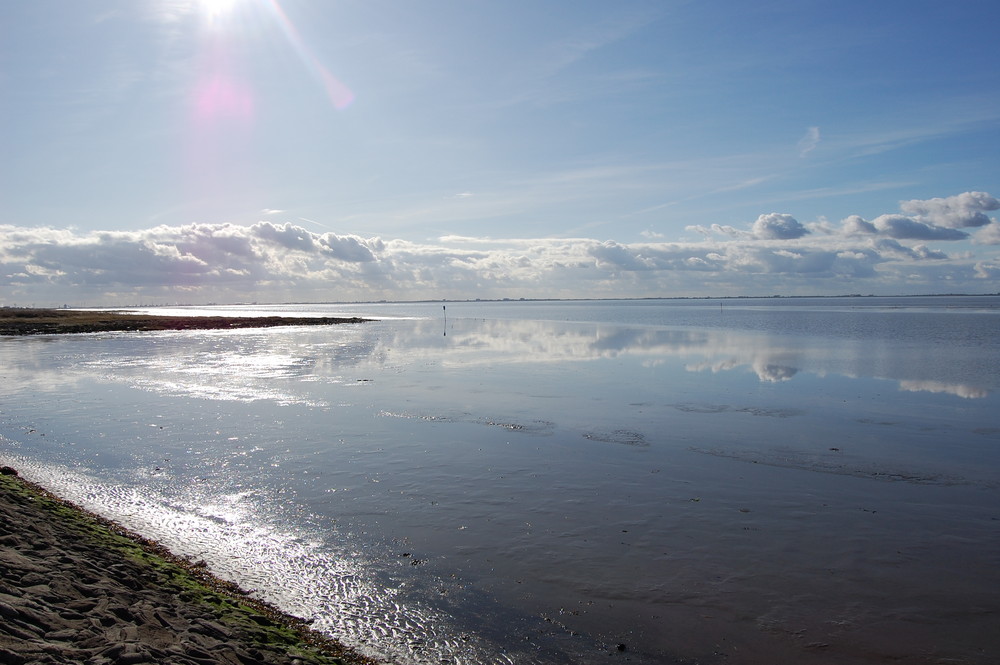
(31, 321)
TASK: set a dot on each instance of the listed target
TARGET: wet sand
(30, 321)
(75, 588)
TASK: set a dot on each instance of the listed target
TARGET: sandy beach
(75, 588)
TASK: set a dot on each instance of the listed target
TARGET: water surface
(784, 480)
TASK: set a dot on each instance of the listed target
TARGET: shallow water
(783, 480)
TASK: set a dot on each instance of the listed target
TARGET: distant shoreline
(860, 296)
(17, 321)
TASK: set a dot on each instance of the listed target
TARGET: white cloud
(988, 270)
(776, 226)
(809, 142)
(288, 236)
(855, 225)
(988, 235)
(268, 261)
(612, 256)
(901, 227)
(955, 212)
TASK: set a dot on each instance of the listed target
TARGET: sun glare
(216, 8)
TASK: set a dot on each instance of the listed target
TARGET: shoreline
(17, 321)
(76, 587)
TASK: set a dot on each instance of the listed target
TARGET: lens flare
(214, 9)
(340, 95)
(226, 98)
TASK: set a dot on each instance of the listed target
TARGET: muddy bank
(29, 321)
(75, 588)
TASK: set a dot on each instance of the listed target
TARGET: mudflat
(32, 321)
(75, 588)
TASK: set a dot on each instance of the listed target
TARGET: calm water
(781, 480)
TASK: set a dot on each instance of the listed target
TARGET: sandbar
(33, 321)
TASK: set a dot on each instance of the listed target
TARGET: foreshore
(76, 588)
(31, 321)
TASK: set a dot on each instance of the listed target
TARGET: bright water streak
(538, 482)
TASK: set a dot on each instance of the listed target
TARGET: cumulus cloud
(772, 226)
(613, 256)
(955, 212)
(287, 236)
(778, 227)
(855, 225)
(901, 227)
(988, 235)
(267, 261)
(936, 219)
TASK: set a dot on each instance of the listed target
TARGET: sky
(195, 151)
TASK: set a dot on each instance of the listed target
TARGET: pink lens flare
(339, 94)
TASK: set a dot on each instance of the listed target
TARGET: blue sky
(216, 150)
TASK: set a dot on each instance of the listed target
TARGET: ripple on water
(858, 469)
(336, 589)
(623, 437)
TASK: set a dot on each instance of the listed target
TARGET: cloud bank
(775, 254)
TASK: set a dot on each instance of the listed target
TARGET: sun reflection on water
(307, 575)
